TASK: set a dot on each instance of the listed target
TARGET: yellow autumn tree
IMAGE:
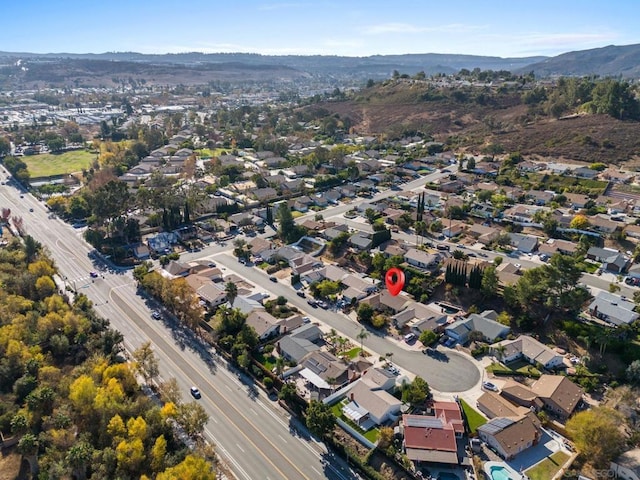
(130, 454)
(116, 428)
(158, 452)
(137, 428)
(168, 410)
(82, 394)
(579, 222)
(192, 468)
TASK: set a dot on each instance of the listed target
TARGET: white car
(195, 392)
(518, 266)
(489, 386)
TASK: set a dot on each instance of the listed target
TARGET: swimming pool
(500, 471)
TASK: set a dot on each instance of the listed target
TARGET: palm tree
(331, 381)
(500, 349)
(232, 292)
(361, 336)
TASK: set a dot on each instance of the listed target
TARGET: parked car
(273, 279)
(409, 337)
(306, 320)
(312, 302)
(322, 304)
(195, 393)
(489, 386)
(442, 246)
(301, 294)
(156, 315)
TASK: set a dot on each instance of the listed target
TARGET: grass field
(49, 164)
(474, 419)
(547, 468)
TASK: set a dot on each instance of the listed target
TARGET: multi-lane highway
(254, 437)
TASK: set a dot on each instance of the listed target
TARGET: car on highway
(31, 210)
(301, 294)
(273, 279)
(93, 274)
(489, 386)
(156, 315)
(195, 393)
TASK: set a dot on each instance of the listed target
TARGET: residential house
(604, 224)
(449, 413)
(422, 259)
(523, 243)
(510, 436)
(539, 197)
(384, 300)
(613, 309)
(453, 229)
(632, 231)
(521, 213)
(611, 260)
(559, 394)
(213, 294)
(576, 200)
(392, 248)
(429, 439)
(335, 231)
(627, 465)
(552, 246)
(508, 273)
(263, 194)
(360, 241)
(484, 323)
(585, 172)
(494, 405)
(177, 269)
(483, 234)
(421, 317)
(369, 402)
(529, 349)
(319, 367)
(162, 242)
(521, 395)
(141, 252)
(265, 324)
(299, 343)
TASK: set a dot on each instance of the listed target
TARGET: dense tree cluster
(63, 392)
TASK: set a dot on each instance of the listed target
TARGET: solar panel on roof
(425, 422)
(496, 425)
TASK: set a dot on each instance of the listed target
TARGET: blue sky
(353, 27)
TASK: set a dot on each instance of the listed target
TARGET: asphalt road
(454, 373)
(254, 437)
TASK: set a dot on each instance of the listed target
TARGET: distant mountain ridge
(609, 61)
(612, 60)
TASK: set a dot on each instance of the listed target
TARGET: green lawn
(353, 353)
(474, 418)
(590, 267)
(547, 468)
(268, 362)
(48, 164)
(514, 368)
(371, 435)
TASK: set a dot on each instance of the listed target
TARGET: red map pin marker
(394, 280)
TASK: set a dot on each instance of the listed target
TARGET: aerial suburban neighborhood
(196, 275)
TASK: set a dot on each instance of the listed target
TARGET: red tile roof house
(429, 439)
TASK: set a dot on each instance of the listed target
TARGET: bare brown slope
(502, 120)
